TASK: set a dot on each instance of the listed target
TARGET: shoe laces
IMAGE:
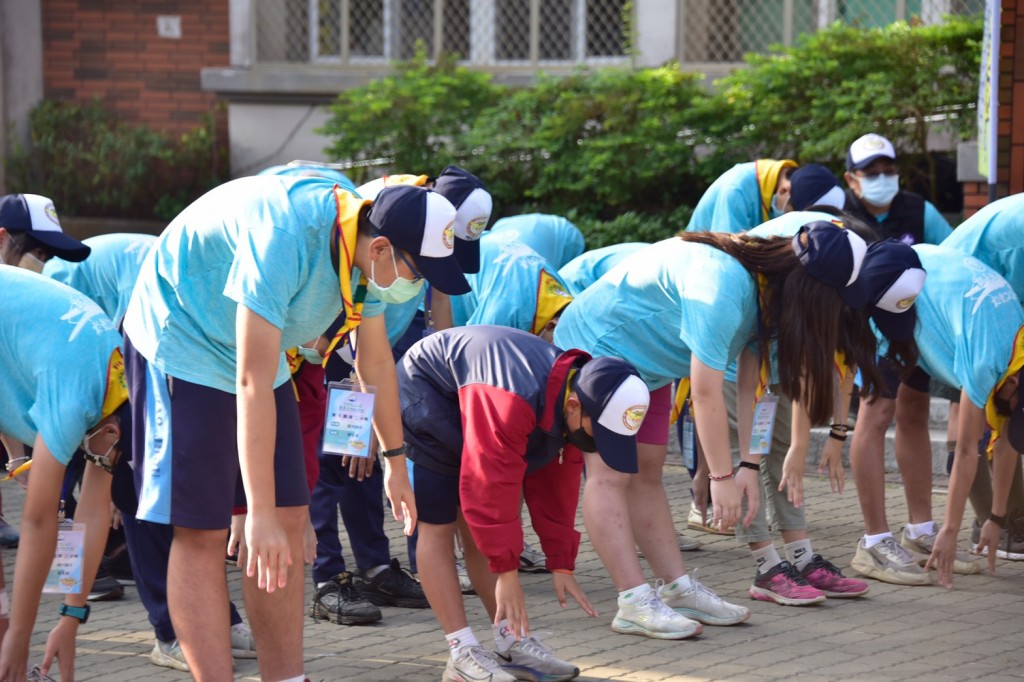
(534, 645)
(700, 591)
(793, 573)
(894, 551)
(398, 575)
(482, 660)
(819, 562)
(653, 601)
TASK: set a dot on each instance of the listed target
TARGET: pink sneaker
(783, 584)
(822, 574)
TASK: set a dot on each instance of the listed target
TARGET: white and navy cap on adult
(421, 222)
(35, 216)
(866, 149)
(815, 185)
(473, 205)
(832, 255)
(616, 399)
(891, 278)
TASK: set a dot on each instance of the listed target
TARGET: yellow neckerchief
(116, 392)
(764, 375)
(405, 179)
(767, 171)
(842, 366)
(552, 297)
(997, 422)
(568, 389)
(346, 232)
(682, 395)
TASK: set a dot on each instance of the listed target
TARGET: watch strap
(79, 612)
(400, 450)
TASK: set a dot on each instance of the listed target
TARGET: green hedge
(616, 149)
(94, 165)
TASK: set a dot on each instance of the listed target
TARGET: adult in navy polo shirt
(492, 413)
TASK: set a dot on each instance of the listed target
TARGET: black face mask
(581, 439)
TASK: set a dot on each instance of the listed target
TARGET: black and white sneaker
(394, 586)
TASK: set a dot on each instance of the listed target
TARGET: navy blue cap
(890, 280)
(473, 205)
(35, 215)
(815, 185)
(616, 399)
(421, 222)
(832, 255)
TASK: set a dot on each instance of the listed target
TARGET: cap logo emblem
(556, 289)
(448, 236)
(634, 416)
(873, 144)
(51, 213)
(905, 303)
(475, 227)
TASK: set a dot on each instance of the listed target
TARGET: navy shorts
(437, 495)
(184, 442)
(919, 380)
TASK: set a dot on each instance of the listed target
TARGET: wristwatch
(79, 612)
(400, 450)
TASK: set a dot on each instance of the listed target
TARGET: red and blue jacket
(485, 404)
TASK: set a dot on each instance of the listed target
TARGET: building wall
(111, 49)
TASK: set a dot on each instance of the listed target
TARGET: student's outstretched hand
(989, 542)
(400, 494)
(748, 483)
(792, 480)
(508, 594)
(565, 582)
(943, 555)
(61, 645)
(726, 497)
(13, 659)
(269, 554)
(832, 462)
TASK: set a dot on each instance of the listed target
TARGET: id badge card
(689, 444)
(764, 424)
(65, 576)
(348, 424)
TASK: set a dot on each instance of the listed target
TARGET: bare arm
(713, 426)
(259, 353)
(376, 366)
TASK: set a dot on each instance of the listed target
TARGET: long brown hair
(798, 311)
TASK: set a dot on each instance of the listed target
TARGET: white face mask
(879, 191)
(30, 262)
(103, 461)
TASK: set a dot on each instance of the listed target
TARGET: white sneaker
(531, 659)
(169, 655)
(475, 664)
(650, 617)
(465, 584)
(532, 561)
(242, 643)
(702, 604)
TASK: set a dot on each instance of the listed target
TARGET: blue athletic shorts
(184, 440)
(437, 495)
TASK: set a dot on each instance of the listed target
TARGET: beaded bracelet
(720, 478)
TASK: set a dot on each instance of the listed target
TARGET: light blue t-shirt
(556, 239)
(312, 170)
(108, 275)
(263, 242)
(661, 304)
(587, 268)
(967, 320)
(995, 236)
(731, 204)
(506, 290)
(55, 347)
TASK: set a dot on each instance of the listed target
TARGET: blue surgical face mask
(773, 209)
(879, 191)
(400, 291)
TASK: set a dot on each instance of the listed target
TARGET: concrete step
(819, 436)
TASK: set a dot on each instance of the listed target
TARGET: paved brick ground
(895, 633)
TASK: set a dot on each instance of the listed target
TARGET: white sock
(503, 637)
(371, 573)
(300, 678)
(633, 595)
(872, 540)
(680, 584)
(916, 530)
(766, 558)
(461, 639)
(799, 553)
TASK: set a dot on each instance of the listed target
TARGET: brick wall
(110, 49)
